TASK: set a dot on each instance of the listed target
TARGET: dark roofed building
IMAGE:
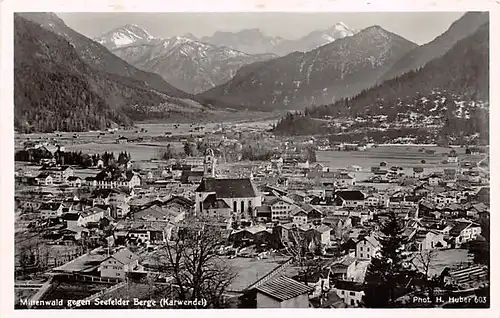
(239, 194)
(228, 188)
(283, 292)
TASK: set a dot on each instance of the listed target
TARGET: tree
(193, 262)
(424, 261)
(383, 272)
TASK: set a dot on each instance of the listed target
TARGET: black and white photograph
(224, 160)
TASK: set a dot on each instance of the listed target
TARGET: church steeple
(209, 164)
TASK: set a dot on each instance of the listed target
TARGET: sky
(419, 27)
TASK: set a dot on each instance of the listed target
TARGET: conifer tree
(382, 275)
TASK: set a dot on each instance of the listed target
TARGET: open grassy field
(406, 157)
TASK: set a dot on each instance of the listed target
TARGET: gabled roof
(283, 288)
(350, 195)
(458, 228)
(71, 216)
(211, 202)
(349, 285)
(228, 188)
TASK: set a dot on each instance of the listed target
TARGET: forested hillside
(453, 89)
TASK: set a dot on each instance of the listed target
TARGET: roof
(228, 188)
(349, 285)
(211, 202)
(351, 195)
(283, 288)
(43, 175)
(322, 228)
(458, 228)
(125, 256)
(71, 216)
(73, 178)
(370, 239)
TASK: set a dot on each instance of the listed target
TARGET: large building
(239, 194)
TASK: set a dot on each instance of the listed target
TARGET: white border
(7, 7)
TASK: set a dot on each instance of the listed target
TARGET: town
(233, 216)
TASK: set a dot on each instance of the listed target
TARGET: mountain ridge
(338, 69)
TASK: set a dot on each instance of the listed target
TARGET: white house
(367, 247)
(463, 232)
(429, 240)
(118, 264)
(345, 180)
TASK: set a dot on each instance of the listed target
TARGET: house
(93, 215)
(344, 268)
(44, 179)
(321, 234)
(191, 176)
(51, 210)
(344, 180)
(283, 292)
(118, 264)
(59, 173)
(463, 232)
(350, 199)
(367, 247)
(142, 231)
(263, 213)
(122, 140)
(434, 180)
(252, 235)
(351, 292)
(159, 212)
(73, 181)
(299, 216)
(452, 157)
(429, 240)
(418, 172)
(72, 220)
(281, 207)
(239, 194)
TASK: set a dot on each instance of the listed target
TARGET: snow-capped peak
(125, 35)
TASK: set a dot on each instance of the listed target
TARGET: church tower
(209, 164)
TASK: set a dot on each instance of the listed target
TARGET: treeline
(74, 158)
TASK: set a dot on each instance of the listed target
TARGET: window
(235, 206)
(201, 206)
(352, 302)
(352, 293)
(242, 206)
(342, 292)
(361, 248)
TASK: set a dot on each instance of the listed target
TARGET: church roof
(228, 188)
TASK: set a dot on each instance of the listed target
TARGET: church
(234, 197)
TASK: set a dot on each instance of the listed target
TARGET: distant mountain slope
(55, 90)
(99, 57)
(460, 29)
(339, 69)
(253, 41)
(129, 34)
(190, 65)
(453, 93)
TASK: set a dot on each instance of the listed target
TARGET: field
(448, 258)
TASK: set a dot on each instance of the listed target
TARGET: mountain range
(254, 41)
(59, 87)
(456, 93)
(339, 69)
(128, 75)
(196, 65)
(189, 65)
(99, 57)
